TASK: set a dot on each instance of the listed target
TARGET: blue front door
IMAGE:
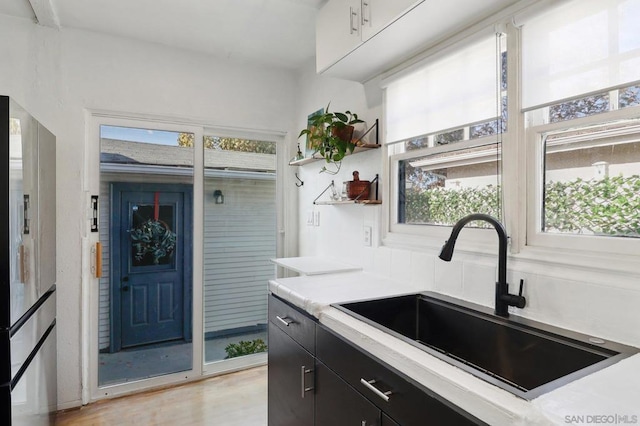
(152, 259)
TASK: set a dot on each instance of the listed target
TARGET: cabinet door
(337, 31)
(377, 14)
(395, 394)
(339, 404)
(388, 421)
(291, 381)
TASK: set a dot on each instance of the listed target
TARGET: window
(588, 177)
(579, 48)
(563, 135)
(591, 181)
(580, 94)
(440, 188)
(447, 118)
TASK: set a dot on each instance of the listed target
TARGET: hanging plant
(329, 134)
(155, 238)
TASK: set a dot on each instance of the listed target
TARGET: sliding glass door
(146, 223)
(186, 227)
(239, 241)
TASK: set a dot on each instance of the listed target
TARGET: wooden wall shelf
(357, 149)
(332, 202)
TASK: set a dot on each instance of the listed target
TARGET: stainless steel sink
(522, 356)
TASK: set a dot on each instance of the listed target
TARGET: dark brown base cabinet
(286, 360)
(318, 378)
(291, 360)
(338, 404)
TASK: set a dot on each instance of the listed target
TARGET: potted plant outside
(329, 134)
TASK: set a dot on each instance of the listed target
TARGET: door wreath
(155, 238)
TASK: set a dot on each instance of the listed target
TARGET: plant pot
(358, 189)
(344, 133)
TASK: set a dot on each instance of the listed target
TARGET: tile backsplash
(592, 308)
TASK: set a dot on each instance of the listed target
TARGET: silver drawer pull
(303, 387)
(286, 321)
(369, 384)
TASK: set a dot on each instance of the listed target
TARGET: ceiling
(266, 32)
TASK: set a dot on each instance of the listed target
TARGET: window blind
(579, 47)
(456, 89)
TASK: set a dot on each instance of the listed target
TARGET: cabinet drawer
(295, 323)
(408, 403)
(337, 404)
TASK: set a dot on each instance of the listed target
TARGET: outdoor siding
(239, 241)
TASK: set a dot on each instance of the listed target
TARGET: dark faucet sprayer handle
(519, 301)
(521, 285)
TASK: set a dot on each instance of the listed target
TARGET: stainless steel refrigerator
(28, 384)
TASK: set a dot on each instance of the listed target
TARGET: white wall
(341, 227)
(595, 299)
(58, 74)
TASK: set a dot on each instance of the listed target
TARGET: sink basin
(522, 356)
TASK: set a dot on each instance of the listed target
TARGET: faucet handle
(521, 285)
(519, 301)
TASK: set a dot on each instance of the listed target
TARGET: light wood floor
(233, 399)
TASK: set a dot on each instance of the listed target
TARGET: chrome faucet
(503, 298)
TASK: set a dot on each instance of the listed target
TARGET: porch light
(218, 198)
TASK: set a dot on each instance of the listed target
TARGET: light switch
(310, 218)
(316, 218)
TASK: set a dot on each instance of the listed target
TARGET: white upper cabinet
(338, 31)
(360, 39)
(342, 25)
(377, 14)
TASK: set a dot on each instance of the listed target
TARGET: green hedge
(445, 206)
(609, 206)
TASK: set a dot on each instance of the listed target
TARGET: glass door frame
(285, 241)
(90, 294)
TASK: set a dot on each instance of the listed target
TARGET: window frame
(420, 237)
(521, 182)
(608, 245)
(424, 230)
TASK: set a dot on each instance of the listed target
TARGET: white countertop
(314, 265)
(613, 391)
